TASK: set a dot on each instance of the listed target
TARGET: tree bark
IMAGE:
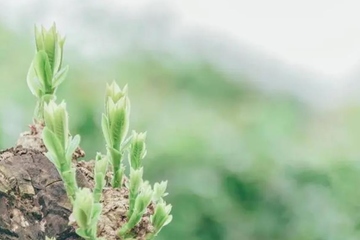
(33, 200)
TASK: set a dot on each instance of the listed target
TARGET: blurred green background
(242, 162)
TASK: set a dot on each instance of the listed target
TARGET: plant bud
(137, 149)
(51, 42)
(83, 207)
(135, 179)
(161, 216)
(159, 190)
(56, 119)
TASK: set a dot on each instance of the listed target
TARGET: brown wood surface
(33, 201)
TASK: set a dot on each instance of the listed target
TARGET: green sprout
(160, 218)
(137, 149)
(44, 76)
(60, 145)
(115, 125)
(45, 73)
(143, 199)
(101, 165)
(134, 188)
(86, 213)
(160, 191)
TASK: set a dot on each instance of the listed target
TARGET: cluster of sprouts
(44, 76)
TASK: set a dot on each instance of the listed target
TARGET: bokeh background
(252, 109)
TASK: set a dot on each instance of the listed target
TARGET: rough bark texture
(33, 201)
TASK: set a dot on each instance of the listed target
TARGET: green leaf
(57, 58)
(96, 213)
(134, 187)
(100, 169)
(48, 76)
(99, 185)
(60, 77)
(35, 86)
(117, 126)
(126, 143)
(101, 165)
(38, 39)
(159, 191)
(83, 207)
(144, 198)
(137, 149)
(53, 144)
(106, 130)
(114, 92)
(118, 115)
(82, 233)
(135, 180)
(43, 70)
(69, 177)
(73, 145)
(115, 157)
(161, 216)
(61, 124)
(48, 117)
(49, 44)
(39, 67)
(118, 177)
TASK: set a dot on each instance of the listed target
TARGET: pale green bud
(51, 42)
(114, 92)
(83, 207)
(137, 149)
(161, 216)
(60, 145)
(101, 164)
(159, 190)
(141, 203)
(56, 119)
(118, 120)
(136, 179)
(143, 199)
(45, 73)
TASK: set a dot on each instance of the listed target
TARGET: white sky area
(320, 35)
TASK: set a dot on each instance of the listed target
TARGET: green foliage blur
(241, 163)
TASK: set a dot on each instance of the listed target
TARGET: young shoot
(141, 203)
(137, 149)
(46, 73)
(60, 145)
(134, 188)
(86, 213)
(44, 77)
(161, 218)
(101, 165)
(115, 125)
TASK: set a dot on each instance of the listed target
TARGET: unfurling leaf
(137, 149)
(73, 145)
